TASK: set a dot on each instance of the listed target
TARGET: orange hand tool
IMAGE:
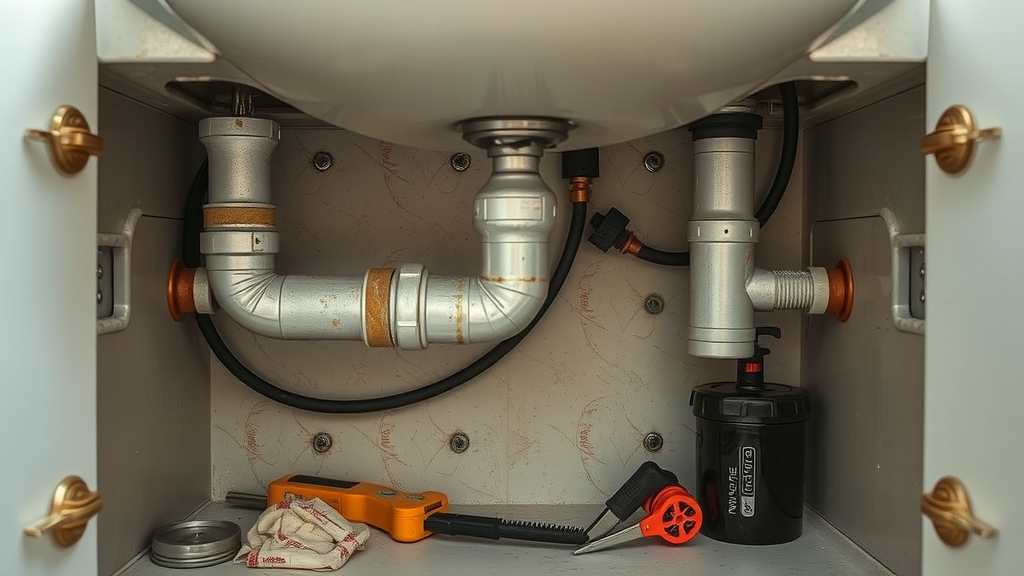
(405, 516)
(672, 514)
(400, 514)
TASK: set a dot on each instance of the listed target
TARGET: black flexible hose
(784, 171)
(191, 257)
(787, 158)
(191, 254)
(655, 256)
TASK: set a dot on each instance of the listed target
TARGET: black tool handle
(496, 528)
(648, 479)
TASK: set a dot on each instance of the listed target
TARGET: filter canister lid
(772, 404)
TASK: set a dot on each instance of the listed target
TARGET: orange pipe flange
(840, 291)
(180, 281)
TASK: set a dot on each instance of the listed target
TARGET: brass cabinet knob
(950, 511)
(73, 506)
(953, 140)
(69, 139)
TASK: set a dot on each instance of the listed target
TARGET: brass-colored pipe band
(216, 216)
(579, 189)
(377, 308)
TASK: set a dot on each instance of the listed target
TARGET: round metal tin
(195, 543)
(194, 563)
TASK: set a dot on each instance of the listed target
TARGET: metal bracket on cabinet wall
(122, 274)
(907, 261)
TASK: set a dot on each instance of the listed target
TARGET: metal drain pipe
(726, 287)
(406, 307)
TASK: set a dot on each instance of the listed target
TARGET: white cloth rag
(305, 534)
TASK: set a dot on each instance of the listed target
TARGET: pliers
(672, 513)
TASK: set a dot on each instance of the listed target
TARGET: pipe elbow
(251, 298)
(502, 307)
(482, 309)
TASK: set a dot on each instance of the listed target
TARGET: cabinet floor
(822, 550)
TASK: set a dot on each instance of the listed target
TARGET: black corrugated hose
(787, 160)
(192, 259)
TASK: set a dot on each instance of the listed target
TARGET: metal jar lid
(195, 543)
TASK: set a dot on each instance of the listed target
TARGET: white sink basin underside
(409, 72)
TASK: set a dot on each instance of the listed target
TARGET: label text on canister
(748, 469)
(733, 488)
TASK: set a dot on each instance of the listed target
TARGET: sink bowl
(408, 72)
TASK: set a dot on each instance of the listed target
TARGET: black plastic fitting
(586, 162)
(609, 230)
(735, 125)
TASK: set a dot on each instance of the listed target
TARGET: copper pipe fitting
(579, 189)
(840, 291)
(180, 299)
(632, 245)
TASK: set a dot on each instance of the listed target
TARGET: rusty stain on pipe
(502, 279)
(460, 312)
(378, 308)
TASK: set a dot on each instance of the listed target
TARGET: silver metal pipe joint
(726, 287)
(806, 290)
(514, 212)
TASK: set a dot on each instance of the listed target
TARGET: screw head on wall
(322, 442)
(654, 161)
(322, 161)
(458, 442)
(653, 442)
(461, 161)
(654, 304)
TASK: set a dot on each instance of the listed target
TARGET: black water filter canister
(751, 438)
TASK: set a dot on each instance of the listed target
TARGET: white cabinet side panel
(973, 347)
(866, 377)
(866, 381)
(152, 159)
(48, 334)
(153, 382)
(153, 378)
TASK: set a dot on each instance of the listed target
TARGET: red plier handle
(672, 514)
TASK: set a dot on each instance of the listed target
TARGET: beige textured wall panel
(561, 418)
